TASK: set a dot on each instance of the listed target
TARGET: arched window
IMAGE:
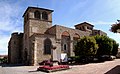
(47, 46)
(65, 47)
(65, 42)
(37, 14)
(65, 33)
(75, 38)
(44, 16)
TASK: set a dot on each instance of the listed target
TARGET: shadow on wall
(115, 70)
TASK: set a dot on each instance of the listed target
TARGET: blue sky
(101, 13)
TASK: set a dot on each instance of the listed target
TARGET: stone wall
(38, 47)
(33, 26)
(72, 32)
(15, 48)
(37, 26)
(98, 32)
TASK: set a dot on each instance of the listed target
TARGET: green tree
(86, 46)
(107, 46)
(114, 29)
(115, 48)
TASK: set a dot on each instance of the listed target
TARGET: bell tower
(37, 20)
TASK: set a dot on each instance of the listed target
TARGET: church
(39, 35)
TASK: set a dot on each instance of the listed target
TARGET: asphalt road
(20, 70)
(108, 67)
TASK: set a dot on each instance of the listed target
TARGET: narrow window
(65, 47)
(44, 16)
(47, 46)
(37, 14)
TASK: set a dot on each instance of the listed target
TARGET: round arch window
(37, 14)
(47, 46)
(44, 16)
(65, 47)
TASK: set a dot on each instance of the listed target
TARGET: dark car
(106, 57)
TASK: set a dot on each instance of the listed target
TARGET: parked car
(71, 60)
(106, 58)
(112, 57)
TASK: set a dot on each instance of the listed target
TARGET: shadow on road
(11, 65)
(115, 70)
(33, 71)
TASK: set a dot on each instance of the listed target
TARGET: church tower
(36, 21)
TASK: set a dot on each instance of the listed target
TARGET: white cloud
(105, 26)
(102, 23)
(4, 44)
(9, 14)
(115, 36)
(9, 22)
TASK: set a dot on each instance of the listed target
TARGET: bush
(86, 46)
(3, 60)
(115, 48)
(107, 46)
(89, 47)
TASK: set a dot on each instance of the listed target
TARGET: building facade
(34, 44)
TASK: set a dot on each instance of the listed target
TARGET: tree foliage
(3, 60)
(115, 27)
(115, 48)
(97, 45)
(105, 45)
(86, 46)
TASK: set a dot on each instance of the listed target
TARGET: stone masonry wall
(38, 48)
(72, 32)
(15, 48)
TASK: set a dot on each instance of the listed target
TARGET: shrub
(115, 48)
(107, 46)
(86, 46)
(89, 47)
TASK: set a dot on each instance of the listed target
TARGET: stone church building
(39, 35)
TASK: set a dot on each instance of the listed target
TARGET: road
(20, 70)
(108, 67)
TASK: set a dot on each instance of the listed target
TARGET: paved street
(108, 67)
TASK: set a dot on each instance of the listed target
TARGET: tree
(107, 46)
(86, 46)
(115, 48)
(115, 27)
